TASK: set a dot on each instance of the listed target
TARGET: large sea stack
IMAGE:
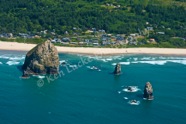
(148, 91)
(42, 59)
(117, 69)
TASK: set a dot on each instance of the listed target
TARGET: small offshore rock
(148, 91)
(117, 69)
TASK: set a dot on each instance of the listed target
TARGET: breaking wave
(12, 63)
(161, 62)
(122, 63)
(17, 58)
(106, 58)
(12, 57)
(109, 59)
(178, 61)
(4, 57)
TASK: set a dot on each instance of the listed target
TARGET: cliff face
(148, 91)
(117, 69)
(42, 59)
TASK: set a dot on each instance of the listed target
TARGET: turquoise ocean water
(84, 96)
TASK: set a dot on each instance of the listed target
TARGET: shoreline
(14, 46)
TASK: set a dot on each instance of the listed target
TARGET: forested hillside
(114, 16)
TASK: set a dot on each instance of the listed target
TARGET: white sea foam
(135, 59)
(34, 75)
(124, 63)
(100, 58)
(95, 57)
(12, 57)
(16, 58)
(125, 97)
(62, 61)
(176, 58)
(12, 63)
(183, 62)
(170, 58)
(134, 103)
(93, 68)
(119, 92)
(104, 60)
(114, 64)
(146, 58)
(178, 61)
(1, 63)
(119, 58)
(4, 56)
(109, 59)
(162, 58)
(88, 67)
(73, 66)
(90, 57)
(131, 89)
(39, 76)
(159, 62)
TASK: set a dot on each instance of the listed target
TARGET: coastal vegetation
(164, 19)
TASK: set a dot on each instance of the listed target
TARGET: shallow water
(82, 95)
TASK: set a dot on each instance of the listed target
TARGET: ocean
(86, 91)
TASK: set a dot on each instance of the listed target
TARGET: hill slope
(115, 16)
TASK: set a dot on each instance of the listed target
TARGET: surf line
(83, 61)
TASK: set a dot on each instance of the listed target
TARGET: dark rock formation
(117, 69)
(42, 59)
(148, 91)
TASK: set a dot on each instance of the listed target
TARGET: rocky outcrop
(148, 91)
(117, 69)
(42, 59)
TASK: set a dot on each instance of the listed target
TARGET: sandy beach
(95, 51)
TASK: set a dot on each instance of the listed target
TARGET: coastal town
(91, 37)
